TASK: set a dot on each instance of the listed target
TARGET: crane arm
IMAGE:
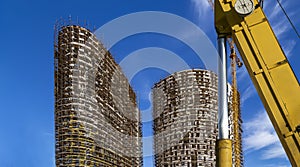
(268, 68)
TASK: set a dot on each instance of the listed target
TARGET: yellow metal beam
(269, 70)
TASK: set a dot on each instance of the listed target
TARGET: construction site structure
(185, 112)
(97, 122)
(235, 111)
(235, 126)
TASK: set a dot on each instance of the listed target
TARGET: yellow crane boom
(267, 65)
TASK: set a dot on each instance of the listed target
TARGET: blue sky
(26, 85)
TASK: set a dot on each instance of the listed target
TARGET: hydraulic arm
(245, 22)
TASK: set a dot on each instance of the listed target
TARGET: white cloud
(260, 139)
(249, 92)
(259, 132)
(276, 165)
(274, 11)
(276, 151)
(288, 47)
(277, 19)
(201, 6)
(260, 135)
(280, 27)
(242, 73)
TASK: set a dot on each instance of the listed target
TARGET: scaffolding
(97, 122)
(185, 119)
(185, 106)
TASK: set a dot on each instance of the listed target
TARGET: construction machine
(245, 22)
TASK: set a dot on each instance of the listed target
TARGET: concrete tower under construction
(185, 110)
(185, 119)
(97, 122)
